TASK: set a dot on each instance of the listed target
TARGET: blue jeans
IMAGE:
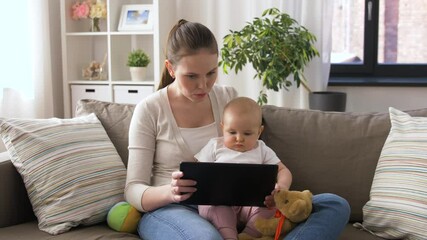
(327, 220)
(329, 217)
(175, 221)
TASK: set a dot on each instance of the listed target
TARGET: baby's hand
(269, 200)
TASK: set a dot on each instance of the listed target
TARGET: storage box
(131, 94)
(97, 92)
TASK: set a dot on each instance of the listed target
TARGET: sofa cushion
(30, 231)
(114, 117)
(15, 206)
(398, 200)
(71, 170)
(352, 233)
(332, 152)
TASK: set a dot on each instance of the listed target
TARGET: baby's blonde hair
(244, 105)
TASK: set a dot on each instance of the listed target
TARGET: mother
(172, 125)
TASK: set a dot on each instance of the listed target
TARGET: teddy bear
(292, 206)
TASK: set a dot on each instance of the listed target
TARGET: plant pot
(328, 101)
(137, 73)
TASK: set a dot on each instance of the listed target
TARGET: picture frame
(136, 17)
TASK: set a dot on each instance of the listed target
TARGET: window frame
(370, 72)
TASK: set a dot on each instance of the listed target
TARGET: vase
(328, 101)
(137, 73)
(94, 25)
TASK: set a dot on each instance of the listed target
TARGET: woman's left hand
(181, 189)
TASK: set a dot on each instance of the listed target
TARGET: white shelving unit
(80, 47)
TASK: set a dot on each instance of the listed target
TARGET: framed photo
(136, 17)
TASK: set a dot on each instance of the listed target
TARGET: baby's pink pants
(226, 218)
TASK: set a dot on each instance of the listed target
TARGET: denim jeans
(329, 217)
(327, 220)
(175, 221)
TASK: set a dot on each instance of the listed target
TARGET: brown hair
(186, 38)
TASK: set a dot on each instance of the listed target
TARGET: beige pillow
(114, 117)
(71, 170)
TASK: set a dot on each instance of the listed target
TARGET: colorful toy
(122, 217)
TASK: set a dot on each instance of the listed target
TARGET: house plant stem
(94, 25)
(304, 83)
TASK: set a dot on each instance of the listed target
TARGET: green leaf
(275, 45)
(138, 58)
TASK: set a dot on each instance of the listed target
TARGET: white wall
(378, 99)
(56, 56)
(359, 99)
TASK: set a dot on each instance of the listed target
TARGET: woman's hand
(181, 189)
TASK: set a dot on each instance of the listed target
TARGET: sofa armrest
(15, 206)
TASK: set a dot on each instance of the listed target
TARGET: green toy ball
(122, 217)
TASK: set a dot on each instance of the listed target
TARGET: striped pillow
(397, 208)
(71, 170)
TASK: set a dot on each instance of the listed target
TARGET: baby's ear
(261, 128)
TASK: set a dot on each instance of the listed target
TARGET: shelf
(81, 47)
(141, 83)
(103, 82)
(87, 82)
(133, 33)
(86, 34)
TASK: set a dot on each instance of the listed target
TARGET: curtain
(222, 15)
(28, 91)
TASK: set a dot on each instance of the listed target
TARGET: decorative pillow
(115, 118)
(71, 170)
(397, 208)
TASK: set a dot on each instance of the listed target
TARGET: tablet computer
(232, 184)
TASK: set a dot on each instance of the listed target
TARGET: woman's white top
(157, 145)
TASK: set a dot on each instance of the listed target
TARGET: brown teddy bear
(295, 206)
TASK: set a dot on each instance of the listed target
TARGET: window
(15, 49)
(379, 39)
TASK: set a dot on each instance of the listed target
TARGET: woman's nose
(203, 83)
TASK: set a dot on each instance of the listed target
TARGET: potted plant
(137, 63)
(276, 46)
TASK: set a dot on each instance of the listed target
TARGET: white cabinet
(80, 47)
(131, 93)
(97, 92)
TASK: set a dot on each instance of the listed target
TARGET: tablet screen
(232, 184)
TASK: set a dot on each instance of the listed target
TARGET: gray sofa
(325, 151)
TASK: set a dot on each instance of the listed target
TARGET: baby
(241, 127)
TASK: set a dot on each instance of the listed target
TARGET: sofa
(327, 152)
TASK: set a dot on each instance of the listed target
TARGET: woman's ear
(169, 67)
